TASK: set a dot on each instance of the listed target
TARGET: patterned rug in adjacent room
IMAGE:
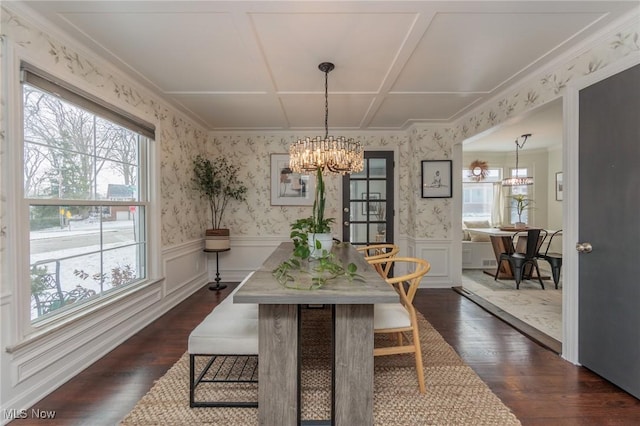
(541, 309)
(455, 394)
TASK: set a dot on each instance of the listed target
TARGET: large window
(85, 186)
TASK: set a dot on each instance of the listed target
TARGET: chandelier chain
(518, 180)
(326, 104)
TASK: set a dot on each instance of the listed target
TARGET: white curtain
(497, 209)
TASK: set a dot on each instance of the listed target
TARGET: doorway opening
(489, 211)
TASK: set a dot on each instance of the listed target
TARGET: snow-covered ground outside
(77, 247)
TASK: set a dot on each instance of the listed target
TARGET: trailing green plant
(218, 182)
(300, 272)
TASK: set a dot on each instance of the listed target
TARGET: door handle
(584, 247)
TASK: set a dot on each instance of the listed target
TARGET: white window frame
(23, 331)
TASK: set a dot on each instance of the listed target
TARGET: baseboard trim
(524, 328)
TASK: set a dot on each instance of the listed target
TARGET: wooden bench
(228, 339)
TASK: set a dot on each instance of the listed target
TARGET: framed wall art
(436, 179)
(289, 188)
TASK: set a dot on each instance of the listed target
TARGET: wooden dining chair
(380, 251)
(400, 319)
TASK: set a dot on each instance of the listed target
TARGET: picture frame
(372, 207)
(289, 188)
(559, 186)
(437, 179)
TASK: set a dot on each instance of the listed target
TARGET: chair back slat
(380, 251)
(533, 237)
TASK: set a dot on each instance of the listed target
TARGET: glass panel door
(367, 203)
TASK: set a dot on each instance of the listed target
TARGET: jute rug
(455, 394)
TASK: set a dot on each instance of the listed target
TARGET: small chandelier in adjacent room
(518, 180)
(337, 155)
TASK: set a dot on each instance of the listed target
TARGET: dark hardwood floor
(538, 386)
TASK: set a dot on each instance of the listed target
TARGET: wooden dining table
(279, 341)
(502, 242)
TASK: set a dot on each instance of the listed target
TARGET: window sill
(48, 327)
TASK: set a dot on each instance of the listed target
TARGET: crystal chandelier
(336, 155)
(518, 180)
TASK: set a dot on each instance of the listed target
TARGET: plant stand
(217, 286)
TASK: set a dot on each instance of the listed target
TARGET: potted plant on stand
(522, 203)
(218, 182)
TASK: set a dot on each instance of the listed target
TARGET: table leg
(278, 374)
(353, 365)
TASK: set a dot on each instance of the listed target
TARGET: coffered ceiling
(253, 65)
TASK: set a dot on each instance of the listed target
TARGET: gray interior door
(609, 301)
(367, 201)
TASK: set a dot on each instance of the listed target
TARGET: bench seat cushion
(221, 334)
(238, 310)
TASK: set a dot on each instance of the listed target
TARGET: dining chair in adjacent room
(380, 251)
(519, 261)
(400, 319)
(554, 259)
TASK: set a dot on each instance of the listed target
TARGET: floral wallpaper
(549, 85)
(429, 218)
(257, 217)
(416, 216)
(178, 139)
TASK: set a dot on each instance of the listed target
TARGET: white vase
(326, 243)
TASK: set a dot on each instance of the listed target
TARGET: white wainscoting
(183, 264)
(34, 369)
(247, 254)
(439, 253)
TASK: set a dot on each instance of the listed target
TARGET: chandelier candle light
(518, 180)
(335, 155)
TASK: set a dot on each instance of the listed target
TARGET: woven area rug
(455, 394)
